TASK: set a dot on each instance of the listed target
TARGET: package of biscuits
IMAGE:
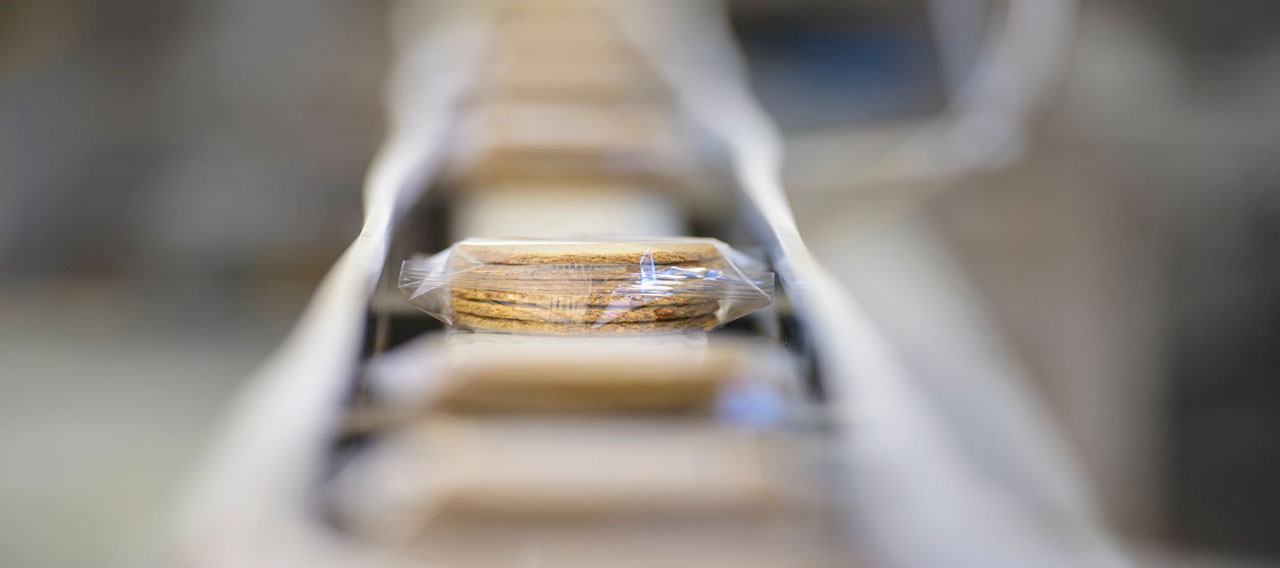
(453, 468)
(733, 380)
(497, 141)
(587, 287)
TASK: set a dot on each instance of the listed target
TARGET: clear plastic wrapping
(733, 380)
(585, 287)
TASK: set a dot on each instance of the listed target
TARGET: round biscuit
(468, 272)
(570, 313)
(481, 323)
(571, 253)
(593, 297)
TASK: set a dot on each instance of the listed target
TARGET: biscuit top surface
(568, 252)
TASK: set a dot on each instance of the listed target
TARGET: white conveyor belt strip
(913, 498)
(251, 502)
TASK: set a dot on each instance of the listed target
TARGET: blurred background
(1094, 183)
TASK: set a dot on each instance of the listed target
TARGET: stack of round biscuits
(584, 288)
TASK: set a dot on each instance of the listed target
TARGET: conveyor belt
(377, 437)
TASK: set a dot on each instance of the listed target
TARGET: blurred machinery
(493, 103)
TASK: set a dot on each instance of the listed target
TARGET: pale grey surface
(108, 399)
